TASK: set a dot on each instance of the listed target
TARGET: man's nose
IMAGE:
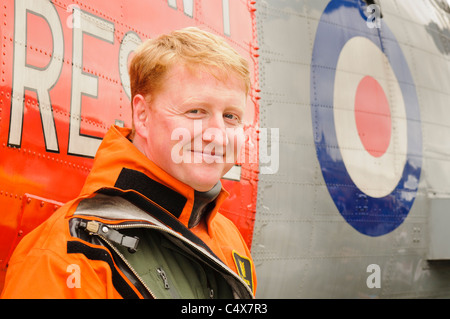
(215, 130)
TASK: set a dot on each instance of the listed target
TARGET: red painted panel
(31, 167)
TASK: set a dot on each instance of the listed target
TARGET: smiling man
(146, 224)
(209, 109)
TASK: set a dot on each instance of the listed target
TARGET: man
(146, 223)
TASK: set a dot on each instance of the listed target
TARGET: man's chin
(203, 176)
(203, 183)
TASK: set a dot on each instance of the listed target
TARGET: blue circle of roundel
(368, 215)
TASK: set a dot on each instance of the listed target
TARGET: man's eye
(195, 112)
(232, 118)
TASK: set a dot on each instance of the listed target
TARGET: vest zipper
(93, 228)
(163, 276)
(129, 266)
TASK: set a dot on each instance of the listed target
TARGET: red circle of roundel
(372, 116)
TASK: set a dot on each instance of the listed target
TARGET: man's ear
(140, 115)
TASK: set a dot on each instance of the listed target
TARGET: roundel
(366, 119)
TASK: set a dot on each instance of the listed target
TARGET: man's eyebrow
(205, 102)
(194, 100)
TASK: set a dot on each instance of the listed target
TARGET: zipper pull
(162, 273)
(100, 229)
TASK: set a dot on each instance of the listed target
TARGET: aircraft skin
(342, 185)
(348, 215)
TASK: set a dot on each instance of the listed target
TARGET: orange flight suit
(45, 261)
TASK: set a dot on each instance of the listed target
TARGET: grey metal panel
(439, 226)
(289, 196)
(302, 247)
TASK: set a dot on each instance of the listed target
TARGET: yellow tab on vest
(244, 268)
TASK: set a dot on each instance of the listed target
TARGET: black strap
(167, 198)
(170, 221)
(91, 253)
(131, 187)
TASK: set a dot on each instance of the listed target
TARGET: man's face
(192, 126)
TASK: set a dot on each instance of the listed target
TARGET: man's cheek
(236, 139)
(179, 152)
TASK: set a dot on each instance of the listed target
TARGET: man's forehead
(184, 70)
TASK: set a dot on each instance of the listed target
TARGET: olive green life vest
(171, 273)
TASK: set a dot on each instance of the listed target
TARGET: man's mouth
(212, 153)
